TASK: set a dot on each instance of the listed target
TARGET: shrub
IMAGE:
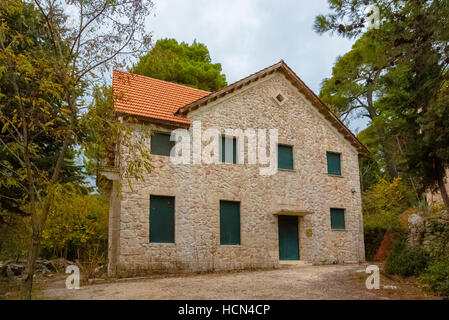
(437, 226)
(373, 239)
(436, 276)
(406, 261)
(77, 227)
(383, 203)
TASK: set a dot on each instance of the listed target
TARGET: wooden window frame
(165, 134)
(344, 219)
(240, 224)
(293, 157)
(327, 163)
(174, 221)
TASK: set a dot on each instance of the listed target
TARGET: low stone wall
(423, 230)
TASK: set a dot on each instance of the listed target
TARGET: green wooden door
(288, 238)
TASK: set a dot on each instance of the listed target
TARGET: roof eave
(298, 83)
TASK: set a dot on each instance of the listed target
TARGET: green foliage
(406, 261)
(373, 237)
(354, 91)
(383, 203)
(436, 276)
(413, 88)
(77, 225)
(31, 106)
(107, 139)
(355, 79)
(437, 226)
(372, 165)
(182, 63)
(46, 68)
(14, 235)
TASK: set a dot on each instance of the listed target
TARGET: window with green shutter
(338, 219)
(162, 219)
(285, 157)
(229, 223)
(334, 163)
(161, 144)
(228, 150)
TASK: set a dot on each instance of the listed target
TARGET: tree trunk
(443, 192)
(27, 280)
(391, 166)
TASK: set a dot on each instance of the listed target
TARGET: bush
(77, 227)
(437, 226)
(436, 276)
(406, 261)
(373, 239)
(383, 203)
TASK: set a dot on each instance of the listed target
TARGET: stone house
(226, 215)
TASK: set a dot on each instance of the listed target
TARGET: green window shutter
(338, 219)
(334, 163)
(161, 144)
(223, 156)
(229, 223)
(285, 157)
(162, 219)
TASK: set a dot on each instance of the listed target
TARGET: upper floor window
(161, 144)
(285, 157)
(228, 150)
(334, 163)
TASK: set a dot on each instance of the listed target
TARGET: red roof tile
(143, 96)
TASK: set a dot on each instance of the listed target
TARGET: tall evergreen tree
(415, 87)
(182, 63)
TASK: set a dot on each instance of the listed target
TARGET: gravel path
(294, 282)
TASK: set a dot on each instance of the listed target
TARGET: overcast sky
(248, 35)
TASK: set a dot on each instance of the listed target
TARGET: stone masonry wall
(198, 190)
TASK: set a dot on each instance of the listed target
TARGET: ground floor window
(229, 223)
(338, 219)
(162, 219)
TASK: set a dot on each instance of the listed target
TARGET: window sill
(160, 155)
(287, 170)
(231, 245)
(154, 244)
(335, 175)
(339, 230)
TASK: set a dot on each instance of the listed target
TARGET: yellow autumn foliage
(76, 226)
(383, 203)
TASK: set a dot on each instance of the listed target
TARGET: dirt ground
(340, 282)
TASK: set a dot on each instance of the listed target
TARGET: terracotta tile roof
(166, 101)
(147, 97)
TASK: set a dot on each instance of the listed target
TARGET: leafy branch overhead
(52, 52)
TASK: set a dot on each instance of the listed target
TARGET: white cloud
(248, 35)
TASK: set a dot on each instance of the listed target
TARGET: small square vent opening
(280, 98)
